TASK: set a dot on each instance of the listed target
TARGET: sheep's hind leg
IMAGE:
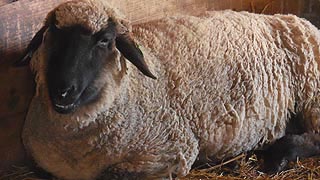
(289, 148)
(302, 140)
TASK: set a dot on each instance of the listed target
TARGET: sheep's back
(232, 77)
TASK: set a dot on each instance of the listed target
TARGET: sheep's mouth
(65, 109)
(88, 95)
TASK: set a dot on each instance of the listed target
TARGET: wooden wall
(144, 10)
(259, 6)
(19, 20)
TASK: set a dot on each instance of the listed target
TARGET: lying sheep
(227, 82)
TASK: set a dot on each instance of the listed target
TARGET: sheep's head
(80, 39)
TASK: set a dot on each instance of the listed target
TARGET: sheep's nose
(63, 93)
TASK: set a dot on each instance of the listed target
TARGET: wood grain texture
(259, 6)
(139, 11)
(312, 12)
(20, 20)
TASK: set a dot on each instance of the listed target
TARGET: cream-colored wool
(90, 14)
(227, 83)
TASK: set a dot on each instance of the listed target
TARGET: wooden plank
(295, 7)
(230, 4)
(139, 11)
(311, 11)
(267, 6)
(20, 20)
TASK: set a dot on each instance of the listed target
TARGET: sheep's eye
(105, 39)
(105, 42)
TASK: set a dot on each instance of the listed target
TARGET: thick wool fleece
(227, 83)
(93, 15)
(234, 77)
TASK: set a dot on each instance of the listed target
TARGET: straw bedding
(241, 167)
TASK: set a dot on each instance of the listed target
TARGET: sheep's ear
(32, 47)
(131, 51)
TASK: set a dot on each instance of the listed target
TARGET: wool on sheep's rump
(240, 167)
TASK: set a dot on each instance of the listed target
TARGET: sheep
(205, 88)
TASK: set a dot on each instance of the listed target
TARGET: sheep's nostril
(65, 92)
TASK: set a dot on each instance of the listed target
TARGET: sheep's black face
(75, 59)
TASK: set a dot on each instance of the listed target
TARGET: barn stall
(19, 20)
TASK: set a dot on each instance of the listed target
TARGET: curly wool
(234, 77)
(93, 15)
(227, 83)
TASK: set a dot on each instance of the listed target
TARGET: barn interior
(21, 19)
